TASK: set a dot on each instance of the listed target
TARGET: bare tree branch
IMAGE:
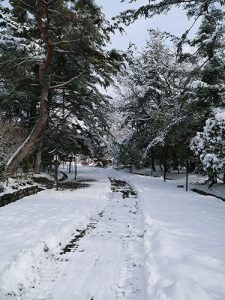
(26, 4)
(50, 2)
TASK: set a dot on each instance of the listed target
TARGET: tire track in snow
(132, 277)
(55, 265)
(138, 248)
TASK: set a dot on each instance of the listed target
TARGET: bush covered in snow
(210, 145)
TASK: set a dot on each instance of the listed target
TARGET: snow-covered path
(164, 244)
(107, 263)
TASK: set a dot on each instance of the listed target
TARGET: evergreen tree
(209, 146)
(153, 109)
(203, 88)
(57, 45)
(208, 45)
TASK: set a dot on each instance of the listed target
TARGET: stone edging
(206, 193)
(19, 194)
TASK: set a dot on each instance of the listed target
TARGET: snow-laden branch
(160, 139)
(67, 82)
(66, 42)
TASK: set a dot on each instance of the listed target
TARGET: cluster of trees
(174, 87)
(53, 59)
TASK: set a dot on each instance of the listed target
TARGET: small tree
(209, 145)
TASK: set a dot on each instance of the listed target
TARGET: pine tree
(203, 88)
(57, 45)
(153, 107)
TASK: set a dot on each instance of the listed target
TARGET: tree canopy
(174, 87)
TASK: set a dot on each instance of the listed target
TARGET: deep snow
(166, 244)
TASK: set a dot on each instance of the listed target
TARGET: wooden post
(56, 173)
(187, 174)
(165, 166)
(75, 167)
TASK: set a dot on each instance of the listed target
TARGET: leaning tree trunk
(42, 8)
(37, 131)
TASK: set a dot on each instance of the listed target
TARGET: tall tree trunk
(37, 167)
(41, 8)
(152, 160)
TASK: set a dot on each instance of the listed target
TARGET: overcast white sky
(174, 22)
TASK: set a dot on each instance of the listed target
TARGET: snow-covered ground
(195, 181)
(43, 221)
(184, 241)
(164, 244)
